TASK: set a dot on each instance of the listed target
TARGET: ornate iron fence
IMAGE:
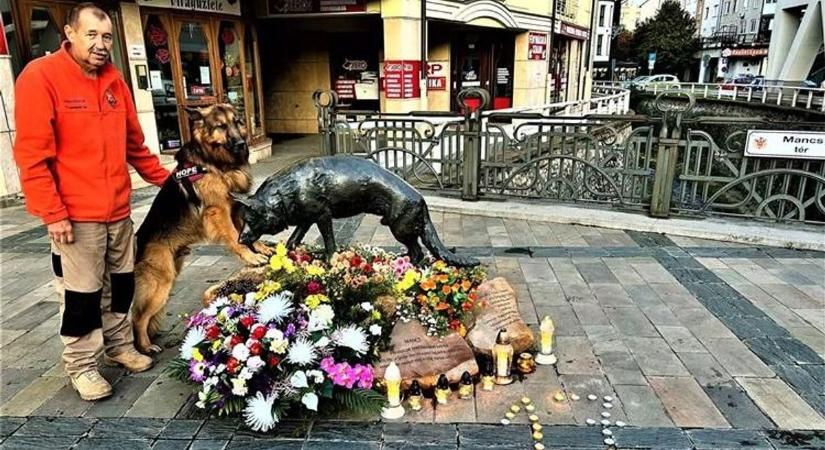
(671, 163)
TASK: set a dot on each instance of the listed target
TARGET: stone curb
(801, 237)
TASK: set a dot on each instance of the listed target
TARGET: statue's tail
(434, 245)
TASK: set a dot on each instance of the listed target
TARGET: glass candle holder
(503, 358)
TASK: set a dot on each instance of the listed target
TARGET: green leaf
(326, 389)
(361, 401)
(178, 368)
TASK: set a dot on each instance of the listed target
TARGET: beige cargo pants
(95, 283)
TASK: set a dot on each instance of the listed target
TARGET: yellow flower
(312, 301)
(376, 315)
(439, 265)
(196, 354)
(314, 270)
(280, 249)
(267, 288)
(235, 298)
(216, 345)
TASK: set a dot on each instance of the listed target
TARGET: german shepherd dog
(194, 205)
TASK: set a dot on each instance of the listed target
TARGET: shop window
(229, 47)
(599, 45)
(161, 82)
(602, 11)
(45, 34)
(254, 121)
(12, 36)
(194, 61)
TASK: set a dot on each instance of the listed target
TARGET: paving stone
(660, 315)
(537, 271)
(420, 434)
(590, 314)
(38, 442)
(13, 380)
(572, 437)
(612, 295)
(491, 405)
(681, 340)
(652, 438)
(108, 444)
(547, 294)
(791, 439)
(126, 391)
(799, 379)
(173, 392)
(31, 317)
(738, 409)
(655, 357)
(267, 444)
(564, 319)
(597, 273)
(604, 339)
(343, 431)
(728, 439)
(218, 429)
(9, 425)
(494, 436)
(576, 357)
(285, 430)
(583, 385)
(704, 368)
(127, 428)
(32, 396)
(686, 402)
(414, 446)
(456, 410)
(642, 407)
(621, 368)
(781, 404)
(181, 429)
(702, 324)
(578, 293)
(208, 445)
(630, 321)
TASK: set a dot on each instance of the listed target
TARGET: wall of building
(648, 9)
(741, 17)
(603, 31)
(796, 39)
(630, 16)
(439, 53)
(9, 180)
(529, 77)
(710, 18)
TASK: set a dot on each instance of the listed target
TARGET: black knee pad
(57, 265)
(81, 313)
(123, 290)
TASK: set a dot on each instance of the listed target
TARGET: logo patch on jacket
(110, 99)
(192, 173)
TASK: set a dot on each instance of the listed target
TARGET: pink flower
(327, 363)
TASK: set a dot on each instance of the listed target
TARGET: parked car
(635, 82)
(737, 86)
(658, 82)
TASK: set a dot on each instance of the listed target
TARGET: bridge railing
(797, 97)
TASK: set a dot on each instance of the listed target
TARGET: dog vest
(187, 174)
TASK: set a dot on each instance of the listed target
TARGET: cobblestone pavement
(703, 345)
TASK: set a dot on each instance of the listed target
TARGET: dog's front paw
(148, 348)
(263, 249)
(254, 259)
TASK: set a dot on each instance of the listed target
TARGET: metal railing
(797, 97)
(665, 164)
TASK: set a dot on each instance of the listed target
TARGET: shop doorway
(194, 62)
(353, 59)
(483, 60)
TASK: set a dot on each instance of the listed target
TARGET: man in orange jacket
(76, 131)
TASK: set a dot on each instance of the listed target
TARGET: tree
(624, 50)
(671, 33)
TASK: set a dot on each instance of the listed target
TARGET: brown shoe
(91, 385)
(131, 359)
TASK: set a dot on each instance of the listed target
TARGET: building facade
(405, 55)
(797, 49)
(736, 45)
(629, 15)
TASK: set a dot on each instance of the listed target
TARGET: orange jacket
(75, 136)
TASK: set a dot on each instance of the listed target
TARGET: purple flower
(197, 371)
(290, 330)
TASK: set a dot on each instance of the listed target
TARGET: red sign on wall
(537, 46)
(4, 48)
(401, 79)
(436, 76)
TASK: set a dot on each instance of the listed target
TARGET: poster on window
(354, 64)
(537, 46)
(401, 79)
(437, 75)
(315, 6)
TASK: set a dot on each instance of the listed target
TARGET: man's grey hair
(74, 13)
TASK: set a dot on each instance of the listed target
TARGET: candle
(465, 388)
(415, 396)
(503, 357)
(392, 379)
(487, 377)
(442, 389)
(546, 330)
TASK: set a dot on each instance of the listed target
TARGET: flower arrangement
(313, 330)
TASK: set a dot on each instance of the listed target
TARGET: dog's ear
(194, 113)
(243, 200)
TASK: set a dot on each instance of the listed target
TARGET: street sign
(785, 144)
(651, 60)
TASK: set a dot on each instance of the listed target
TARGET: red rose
(213, 332)
(356, 261)
(247, 321)
(258, 332)
(273, 361)
(367, 268)
(235, 341)
(255, 348)
(232, 365)
(314, 287)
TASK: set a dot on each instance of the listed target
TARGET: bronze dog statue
(320, 189)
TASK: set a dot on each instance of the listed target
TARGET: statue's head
(259, 218)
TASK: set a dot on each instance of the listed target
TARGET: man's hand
(61, 232)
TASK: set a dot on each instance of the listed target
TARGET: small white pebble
(605, 422)
(620, 424)
(539, 446)
(592, 397)
(607, 432)
(505, 422)
(574, 397)
(607, 405)
(605, 414)
(590, 422)
(609, 441)
(608, 398)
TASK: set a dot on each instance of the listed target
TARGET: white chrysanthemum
(275, 307)
(352, 337)
(366, 306)
(214, 307)
(193, 337)
(254, 363)
(239, 387)
(249, 298)
(240, 352)
(323, 342)
(375, 329)
(301, 352)
(320, 318)
(317, 375)
(258, 412)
